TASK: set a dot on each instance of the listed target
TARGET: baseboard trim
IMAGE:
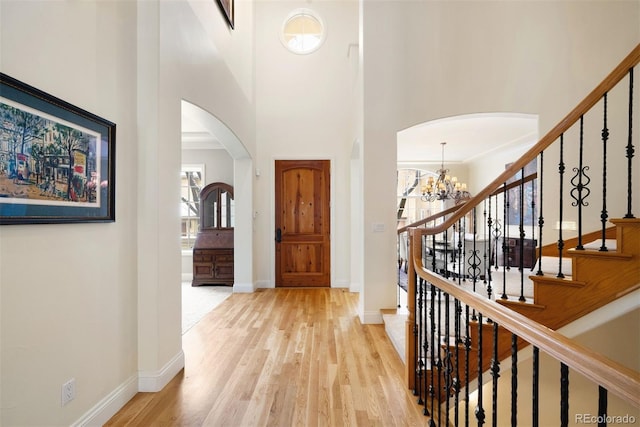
(371, 317)
(341, 284)
(264, 284)
(156, 380)
(243, 288)
(110, 405)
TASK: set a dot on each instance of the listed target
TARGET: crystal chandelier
(445, 187)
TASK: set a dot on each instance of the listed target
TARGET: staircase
(461, 326)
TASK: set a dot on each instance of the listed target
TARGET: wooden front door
(302, 223)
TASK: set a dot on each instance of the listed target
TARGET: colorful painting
(56, 160)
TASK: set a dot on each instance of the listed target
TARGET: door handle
(278, 235)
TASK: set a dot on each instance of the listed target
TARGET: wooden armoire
(213, 249)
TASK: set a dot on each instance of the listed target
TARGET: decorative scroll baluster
(602, 406)
(535, 398)
(561, 169)
(580, 191)
(514, 379)
(474, 259)
(521, 229)
(479, 410)
(630, 149)
(604, 214)
(496, 237)
(564, 395)
(540, 217)
(495, 373)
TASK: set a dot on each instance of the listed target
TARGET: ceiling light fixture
(445, 187)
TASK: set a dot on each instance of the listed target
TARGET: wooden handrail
(616, 378)
(569, 120)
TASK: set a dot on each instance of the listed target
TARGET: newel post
(410, 328)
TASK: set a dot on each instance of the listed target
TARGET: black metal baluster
(487, 247)
(439, 364)
(487, 280)
(564, 395)
(467, 347)
(474, 266)
(479, 410)
(433, 253)
(521, 229)
(447, 358)
(421, 360)
(540, 217)
(495, 372)
(604, 214)
(432, 358)
(533, 215)
(496, 237)
(535, 398)
(478, 260)
(486, 225)
(580, 181)
(630, 149)
(505, 247)
(514, 380)
(456, 378)
(460, 250)
(602, 406)
(561, 169)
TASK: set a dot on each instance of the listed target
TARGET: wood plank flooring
(282, 357)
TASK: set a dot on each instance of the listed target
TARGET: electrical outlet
(68, 391)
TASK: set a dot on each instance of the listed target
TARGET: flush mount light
(303, 31)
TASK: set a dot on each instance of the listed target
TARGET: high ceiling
(466, 137)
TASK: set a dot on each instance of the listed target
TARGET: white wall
(304, 110)
(69, 291)
(101, 302)
(429, 60)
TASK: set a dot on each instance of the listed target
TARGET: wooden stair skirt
(599, 277)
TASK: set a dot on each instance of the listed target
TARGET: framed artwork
(529, 214)
(57, 161)
(227, 10)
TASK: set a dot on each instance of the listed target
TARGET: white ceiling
(195, 135)
(467, 137)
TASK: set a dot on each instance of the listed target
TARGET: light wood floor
(282, 357)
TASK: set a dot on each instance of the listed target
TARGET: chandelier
(445, 187)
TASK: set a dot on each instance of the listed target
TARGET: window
(303, 31)
(191, 182)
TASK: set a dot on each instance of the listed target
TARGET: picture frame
(57, 161)
(227, 7)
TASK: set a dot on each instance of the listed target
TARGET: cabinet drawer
(224, 258)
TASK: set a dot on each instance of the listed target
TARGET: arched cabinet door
(213, 249)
